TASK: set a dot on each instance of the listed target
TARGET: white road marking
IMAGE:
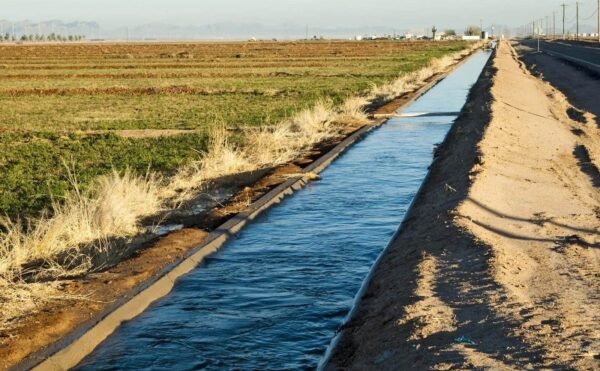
(571, 58)
(593, 49)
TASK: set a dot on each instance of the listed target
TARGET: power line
(590, 17)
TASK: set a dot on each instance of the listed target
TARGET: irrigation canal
(275, 295)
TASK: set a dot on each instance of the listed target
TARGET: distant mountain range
(240, 31)
(48, 27)
(217, 31)
(166, 31)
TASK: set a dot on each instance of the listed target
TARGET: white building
(440, 36)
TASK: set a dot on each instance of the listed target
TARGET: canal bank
(496, 265)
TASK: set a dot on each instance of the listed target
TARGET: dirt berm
(497, 264)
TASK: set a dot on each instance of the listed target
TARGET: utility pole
(554, 25)
(599, 21)
(564, 6)
(577, 4)
(547, 26)
(536, 35)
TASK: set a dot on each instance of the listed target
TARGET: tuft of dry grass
(112, 208)
(266, 147)
(353, 110)
(221, 158)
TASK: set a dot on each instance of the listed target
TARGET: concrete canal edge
(72, 349)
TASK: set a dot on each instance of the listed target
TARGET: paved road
(585, 56)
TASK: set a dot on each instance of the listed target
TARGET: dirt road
(498, 263)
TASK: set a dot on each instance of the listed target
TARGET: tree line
(7, 37)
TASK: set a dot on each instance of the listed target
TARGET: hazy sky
(322, 13)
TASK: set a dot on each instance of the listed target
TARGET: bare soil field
(497, 265)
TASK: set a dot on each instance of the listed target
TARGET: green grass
(243, 85)
(34, 166)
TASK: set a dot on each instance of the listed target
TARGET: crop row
(227, 50)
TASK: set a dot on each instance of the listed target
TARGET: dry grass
(117, 203)
(18, 300)
(413, 80)
(113, 208)
(266, 147)
(53, 247)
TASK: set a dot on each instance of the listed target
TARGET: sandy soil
(497, 265)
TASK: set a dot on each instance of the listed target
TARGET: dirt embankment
(498, 263)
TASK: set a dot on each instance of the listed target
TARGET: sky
(402, 14)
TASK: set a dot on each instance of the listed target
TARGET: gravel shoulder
(497, 264)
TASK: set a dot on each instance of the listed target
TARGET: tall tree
(473, 31)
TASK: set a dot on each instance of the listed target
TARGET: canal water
(274, 296)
